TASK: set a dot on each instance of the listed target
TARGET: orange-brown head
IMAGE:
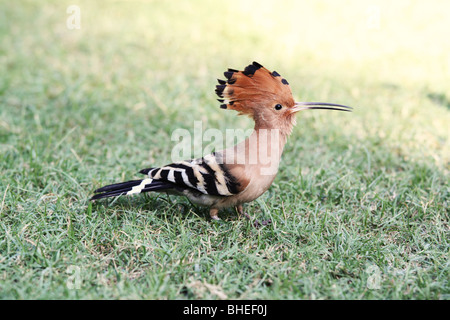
(264, 96)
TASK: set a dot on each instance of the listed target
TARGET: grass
(360, 205)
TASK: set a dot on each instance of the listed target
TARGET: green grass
(360, 205)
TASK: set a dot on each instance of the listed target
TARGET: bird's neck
(260, 153)
(283, 124)
(271, 140)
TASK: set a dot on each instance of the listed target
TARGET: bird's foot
(256, 224)
(214, 214)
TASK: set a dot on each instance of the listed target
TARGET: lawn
(360, 204)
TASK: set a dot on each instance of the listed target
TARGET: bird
(241, 173)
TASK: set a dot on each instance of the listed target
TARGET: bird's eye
(278, 106)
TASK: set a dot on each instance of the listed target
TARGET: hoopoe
(242, 173)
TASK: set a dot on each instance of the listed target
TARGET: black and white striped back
(208, 175)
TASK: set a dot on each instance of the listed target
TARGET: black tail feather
(123, 188)
(118, 186)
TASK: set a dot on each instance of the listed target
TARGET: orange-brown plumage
(255, 92)
(255, 87)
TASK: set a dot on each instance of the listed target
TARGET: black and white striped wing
(207, 175)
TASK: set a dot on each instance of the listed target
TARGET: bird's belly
(252, 192)
(201, 198)
(255, 190)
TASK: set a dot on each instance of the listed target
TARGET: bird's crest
(253, 88)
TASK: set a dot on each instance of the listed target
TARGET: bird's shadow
(162, 205)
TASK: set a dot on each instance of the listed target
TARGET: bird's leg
(257, 224)
(213, 212)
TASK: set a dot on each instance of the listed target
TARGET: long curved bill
(299, 106)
